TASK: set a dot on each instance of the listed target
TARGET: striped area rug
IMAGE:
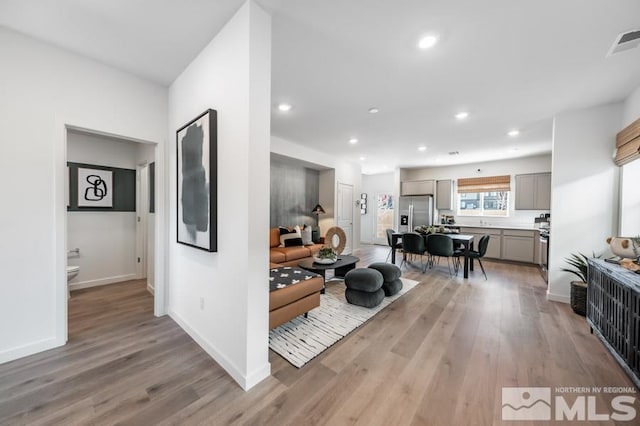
(302, 339)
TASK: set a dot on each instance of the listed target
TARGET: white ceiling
(510, 64)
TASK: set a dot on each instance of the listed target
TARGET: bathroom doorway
(110, 225)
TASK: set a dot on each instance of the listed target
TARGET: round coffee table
(341, 266)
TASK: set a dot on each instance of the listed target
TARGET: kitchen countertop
(513, 227)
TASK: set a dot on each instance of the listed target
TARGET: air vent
(454, 153)
(625, 41)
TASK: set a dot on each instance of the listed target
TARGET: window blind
(628, 144)
(485, 184)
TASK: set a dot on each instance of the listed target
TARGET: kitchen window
(484, 196)
(495, 203)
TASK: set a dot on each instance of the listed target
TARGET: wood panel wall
(294, 193)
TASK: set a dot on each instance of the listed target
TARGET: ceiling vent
(625, 41)
(454, 153)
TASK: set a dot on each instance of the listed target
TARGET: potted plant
(579, 267)
(326, 255)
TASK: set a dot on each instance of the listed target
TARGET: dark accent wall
(152, 188)
(124, 189)
(294, 193)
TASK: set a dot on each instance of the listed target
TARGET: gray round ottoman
(364, 287)
(391, 275)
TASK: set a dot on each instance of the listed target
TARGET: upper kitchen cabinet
(444, 194)
(533, 191)
(417, 187)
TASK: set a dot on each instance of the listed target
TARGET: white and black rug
(302, 339)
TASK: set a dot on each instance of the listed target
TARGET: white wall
(232, 76)
(372, 185)
(42, 88)
(107, 240)
(513, 167)
(344, 172)
(630, 176)
(631, 108)
(584, 200)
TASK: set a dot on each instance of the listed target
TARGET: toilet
(72, 272)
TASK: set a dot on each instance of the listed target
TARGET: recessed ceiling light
(462, 115)
(284, 107)
(363, 158)
(353, 141)
(422, 148)
(514, 133)
(373, 110)
(427, 42)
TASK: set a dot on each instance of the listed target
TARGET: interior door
(345, 213)
(142, 211)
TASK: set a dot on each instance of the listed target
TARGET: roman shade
(485, 184)
(628, 144)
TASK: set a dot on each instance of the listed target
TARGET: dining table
(465, 239)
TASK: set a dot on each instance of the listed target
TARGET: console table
(613, 312)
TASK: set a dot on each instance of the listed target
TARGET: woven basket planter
(579, 297)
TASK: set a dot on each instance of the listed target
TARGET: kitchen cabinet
(444, 194)
(494, 249)
(533, 191)
(518, 245)
(417, 187)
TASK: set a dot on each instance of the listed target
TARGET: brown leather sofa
(287, 303)
(288, 256)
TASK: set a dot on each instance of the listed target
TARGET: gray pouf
(364, 298)
(364, 279)
(392, 287)
(389, 271)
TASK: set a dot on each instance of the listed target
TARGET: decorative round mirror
(336, 239)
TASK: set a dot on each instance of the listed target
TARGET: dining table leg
(466, 259)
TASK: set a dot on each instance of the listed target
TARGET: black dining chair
(413, 243)
(483, 244)
(398, 245)
(440, 245)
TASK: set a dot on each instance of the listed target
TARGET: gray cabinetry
(518, 245)
(533, 191)
(417, 187)
(494, 249)
(444, 194)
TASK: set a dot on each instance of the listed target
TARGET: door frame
(61, 128)
(142, 215)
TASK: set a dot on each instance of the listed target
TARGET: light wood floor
(437, 356)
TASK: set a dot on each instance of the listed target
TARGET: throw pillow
(287, 234)
(307, 238)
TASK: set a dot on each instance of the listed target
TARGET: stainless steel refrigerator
(415, 211)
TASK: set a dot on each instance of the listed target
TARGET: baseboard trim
(245, 382)
(102, 281)
(151, 289)
(558, 298)
(30, 349)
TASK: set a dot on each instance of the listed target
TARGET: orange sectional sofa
(288, 256)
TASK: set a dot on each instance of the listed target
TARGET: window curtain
(628, 144)
(485, 184)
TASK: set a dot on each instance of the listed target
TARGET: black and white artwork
(197, 182)
(95, 188)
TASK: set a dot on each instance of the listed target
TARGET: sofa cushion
(314, 248)
(293, 253)
(274, 237)
(307, 235)
(276, 256)
(290, 237)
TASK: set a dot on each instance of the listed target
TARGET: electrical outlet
(202, 303)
